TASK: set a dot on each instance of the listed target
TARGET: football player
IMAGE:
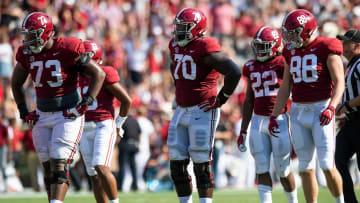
(315, 77)
(99, 136)
(264, 75)
(54, 64)
(197, 62)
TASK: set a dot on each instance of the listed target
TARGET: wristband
(87, 100)
(120, 121)
(222, 97)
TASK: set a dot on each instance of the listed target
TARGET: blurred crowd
(134, 35)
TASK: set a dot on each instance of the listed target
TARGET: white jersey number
(181, 60)
(94, 105)
(304, 69)
(261, 92)
(55, 73)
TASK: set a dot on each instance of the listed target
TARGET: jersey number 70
(181, 63)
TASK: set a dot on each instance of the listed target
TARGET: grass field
(221, 196)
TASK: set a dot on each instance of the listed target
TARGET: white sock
(114, 200)
(205, 200)
(265, 193)
(185, 199)
(339, 199)
(292, 196)
(55, 201)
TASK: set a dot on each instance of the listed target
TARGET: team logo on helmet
(302, 19)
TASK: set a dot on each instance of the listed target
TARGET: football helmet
(298, 26)
(38, 29)
(189, 24)
(266, 42)
(94, 50)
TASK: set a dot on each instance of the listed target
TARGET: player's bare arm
(284, 92)
(224, 65)
(248, 107)
(336, 69)
(121, 95)
(18, 79)
(93, 70)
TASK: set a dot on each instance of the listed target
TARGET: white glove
(119, 123)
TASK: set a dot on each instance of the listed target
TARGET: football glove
(119, 122)
(241, 141)
(211, 103)
(31, 118)
(79, 109)
(273, 126)
(327, 115)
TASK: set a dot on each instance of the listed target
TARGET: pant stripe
(110, 147)
(213, 113)
(73, 151)
(333, 135)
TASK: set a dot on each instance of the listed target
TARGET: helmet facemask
(263, 49)
(96, 59)
(293, 36)
(182, 32)
(33, 40)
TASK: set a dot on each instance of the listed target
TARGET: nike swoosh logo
(313, 49)
(197, 119)
(56, 53)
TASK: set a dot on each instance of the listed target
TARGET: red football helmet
(266, 42)
(298, 26)
(189, 24)
(94, 50)
(38, 29)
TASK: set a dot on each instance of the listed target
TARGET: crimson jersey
(53, 70)
(194, 81)
(265, 80)
(102, 108)
(310, 74)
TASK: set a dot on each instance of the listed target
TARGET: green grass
(221, 196)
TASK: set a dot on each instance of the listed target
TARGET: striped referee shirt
(352, 80)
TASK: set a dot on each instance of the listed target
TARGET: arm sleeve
(210, 45)
(281, 67)
(20, 58)
(285, 54)
(170, 46)
(246, 70)
(335, 46)
(76, 47)
(112, 75)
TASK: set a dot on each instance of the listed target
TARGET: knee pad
(284, 173)
(204, 176)
(60, 171)
(179, 172)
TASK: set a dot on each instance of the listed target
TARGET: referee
(348, 138)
